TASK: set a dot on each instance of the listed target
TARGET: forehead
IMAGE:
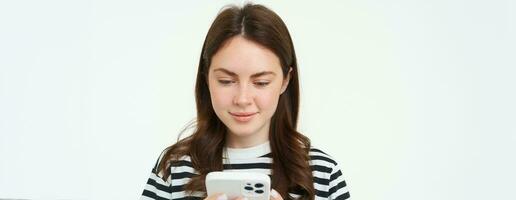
(245, 57)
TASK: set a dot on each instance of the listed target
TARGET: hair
(291, 171)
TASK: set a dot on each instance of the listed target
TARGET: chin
(242, 131)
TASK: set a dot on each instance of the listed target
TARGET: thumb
(275, 195)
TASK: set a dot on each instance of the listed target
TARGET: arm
(338, 189)
(156, 188)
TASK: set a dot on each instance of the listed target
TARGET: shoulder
(319, 157)
(172, 161)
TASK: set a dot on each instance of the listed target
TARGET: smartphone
(254, 186)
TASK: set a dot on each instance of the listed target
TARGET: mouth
(243, 116)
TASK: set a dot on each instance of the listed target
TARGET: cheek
(267, 100)
(219, 98)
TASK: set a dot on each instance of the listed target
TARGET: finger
(222, 197)
(275, 195)
(217, 196)
(240, 198)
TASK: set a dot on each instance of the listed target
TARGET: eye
(225, 82)
(261, 83)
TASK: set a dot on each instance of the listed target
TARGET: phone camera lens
(258, 185)
(259, 191)
(248, 188)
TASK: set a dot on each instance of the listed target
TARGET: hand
(275, 195)
(217, 196)
(222, 196)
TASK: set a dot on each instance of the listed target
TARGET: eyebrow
(263, 73)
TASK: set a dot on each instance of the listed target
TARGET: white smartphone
(254, 186)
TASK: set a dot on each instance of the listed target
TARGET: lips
(243, 116)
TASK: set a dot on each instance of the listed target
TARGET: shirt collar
(250, 152)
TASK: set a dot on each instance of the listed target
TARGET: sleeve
(156, 188)
(338, 188)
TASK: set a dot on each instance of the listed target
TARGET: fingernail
(222, 197)
(274, 193)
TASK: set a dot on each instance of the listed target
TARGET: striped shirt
(328, 180)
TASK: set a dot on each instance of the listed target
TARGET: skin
(245, 77)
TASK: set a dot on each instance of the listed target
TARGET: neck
(235, 141)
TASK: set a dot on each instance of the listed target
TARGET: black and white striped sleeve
(156, 188)
(338, 189)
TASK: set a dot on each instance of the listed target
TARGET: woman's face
(245, 81)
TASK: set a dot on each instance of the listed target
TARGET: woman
(247, 98)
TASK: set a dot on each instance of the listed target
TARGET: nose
(243, 97)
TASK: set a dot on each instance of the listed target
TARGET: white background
(414, 99)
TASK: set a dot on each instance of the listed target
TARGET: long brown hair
(291, 170)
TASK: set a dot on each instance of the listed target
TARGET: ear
(286, 81)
